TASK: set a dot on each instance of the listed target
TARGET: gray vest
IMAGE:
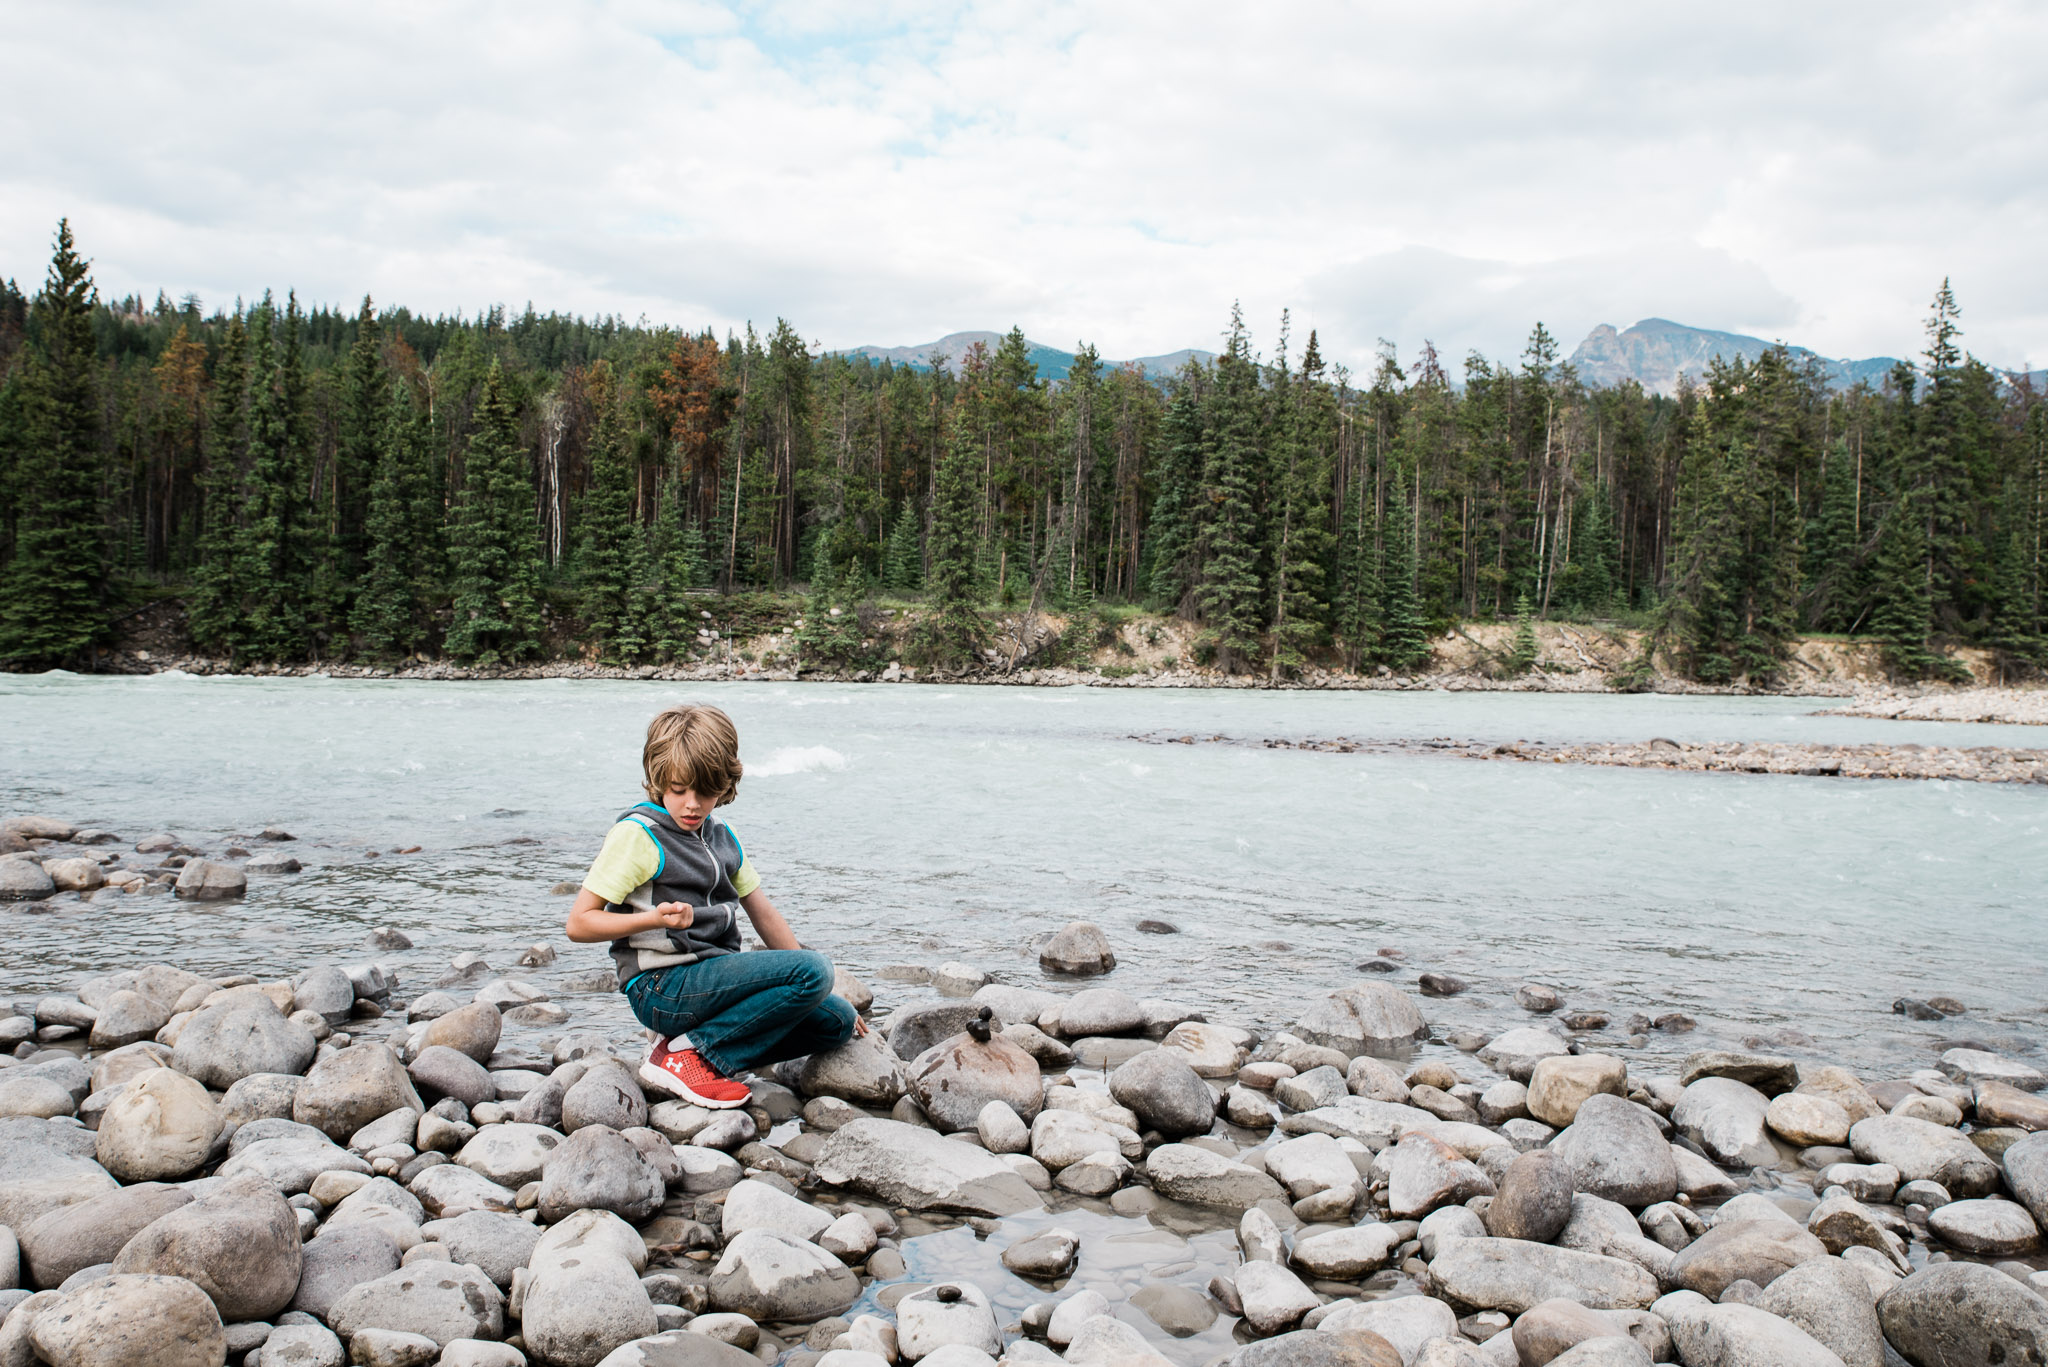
(697, 867)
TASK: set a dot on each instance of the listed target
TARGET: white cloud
(884, 172)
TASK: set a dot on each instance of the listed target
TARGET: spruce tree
(213, 606)
(1522, 654)
(603, 572)
(902, 562)
(54, 608)
(1300, 521)
(1405, 644)
(1356, 605)
(389, 611)
(359, 439)
(1170, 539)
(1231, 594)
(2016, 619)
(271, 572)
(1831, 549)
(1903, 613)
(1597, 556)
(494, 547)
(949, 633)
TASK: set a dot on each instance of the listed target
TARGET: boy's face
(687, 806)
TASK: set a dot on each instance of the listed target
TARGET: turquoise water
(923, 824)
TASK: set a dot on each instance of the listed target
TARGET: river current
(921, 824)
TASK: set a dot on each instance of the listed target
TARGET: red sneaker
(685, 1073)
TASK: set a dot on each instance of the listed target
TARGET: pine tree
(831, 632)
(359, 439)
(1231, 593)
(271, 570)
(609, 529)
(902, 567)
(1170, 545)
(1597, 556)
(389, 609)
(54, 609)
(1356, 606)
(949, 634)
(494, 547)
(213, 610)
(2016, 622)
(1300, 518)
(1406, 642)
(1522, 654)
(1831, 549)
(1903, 614)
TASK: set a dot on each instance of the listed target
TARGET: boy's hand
(675, 915)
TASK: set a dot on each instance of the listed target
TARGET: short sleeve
(629, 858)
(745, 880)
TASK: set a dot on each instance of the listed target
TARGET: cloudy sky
(890, 171)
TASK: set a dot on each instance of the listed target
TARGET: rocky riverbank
(2011, 706)
(391, 1161)
(1976, 764)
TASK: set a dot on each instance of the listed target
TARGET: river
(920, 824)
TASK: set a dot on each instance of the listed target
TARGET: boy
(666, 891)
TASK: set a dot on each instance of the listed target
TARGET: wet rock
(605, 1095)
(204, 880)
(1999, 1104)
(1368, 1077)
(1725, 1117)
(1559, 1085)
(1517, 1052)
(1767, 1074)
(1535, 1198)
(1924, 1151)
(951, 1314)
(341, 1256)
(1864, 1181)
(443, 1301)
(597, 1168)
(1440, 984)
(1181, 1311)
(1807, 1120)
(495, 1242)
(1513, 1276)
(127, 1018)
(473, 1030)
(69, 1239)
(1831, 1301)
(1162, 1088)
(510, 1154)
(1366, 1018)
(1250, 1109)
(23, 880)
(1743, 1250)
(863, 1071)
(954, 1079)
(1738, 1336)
(582, 1307)
(1183, 1172)
(1424, 1172)
(909, 1166)
(1047, 1254)
(1272, 1297)
(243, 1035)
(770, 1276)
(239, 1244)
(1099, 1012)
(1615, 1150)
(130, 1321)
(1535, 997)
(1079, 948)
(44, 1165)
(352, 1087)
(1973, 1066)
(1986, 1228)
(162, 1125)
(1347, 1255)
(439, 1071)
(1405, 1322)
(1961, 1314)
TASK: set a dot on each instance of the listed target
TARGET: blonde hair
(693, 745)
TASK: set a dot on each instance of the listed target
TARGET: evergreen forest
(317, 484)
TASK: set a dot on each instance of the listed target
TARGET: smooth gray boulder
(864, 1070)
(2026, 1173)
(1404, 1322)
(928, 1321)
(326, 992)
(127, 1018)
(1514, 1275)
(23, 880)
(1423, 1172)
(352, 1087)
(597, 1168)
(443, 1301)
(680, 1348)
(129, 1321)
(259, 1096)
(43, 1165)
(345, 1254)
(915, 1029)
(510, 1154)
(207, 880)
(1726, 1118)
(1986, 1228)
(1709, 1335)
(1516, 1052)
(583, 1306)
(162, 1125)
(1755, 1251)
(908, 1165)
(290, 1162)
(1535, 1198)
(473, 1030)
(605, 1095)
(1831, 1301)
(1078, 948)
(69, 1239)
(497, 1242)
(228, 1041)
(770, 1276)
(1366, 1018)
(1960, 1314)
(239, 1244)
(1924, 1151)
(301, 1345)
(1161, 1087)
(955, 1078)
(439, 1071)
(1616, 1151)
(1183, 1172)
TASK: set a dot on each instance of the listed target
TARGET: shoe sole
(674, 1086)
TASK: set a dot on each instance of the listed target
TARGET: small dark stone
(1948, 1006)
(1441, 985)
(235, 852)
(948, 1294)
(1586, 1020)
(564, 889)
(1377, 966)
(1914, 1009)
(1150, 927)
(384, 937)
(1676, 1023)
(276, 833)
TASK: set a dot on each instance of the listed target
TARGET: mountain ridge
(1658, 354)
(1053, 364)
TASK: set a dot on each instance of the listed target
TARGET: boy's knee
(842, 1014)
(814, 975)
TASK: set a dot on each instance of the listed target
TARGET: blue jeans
(742, 1011)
